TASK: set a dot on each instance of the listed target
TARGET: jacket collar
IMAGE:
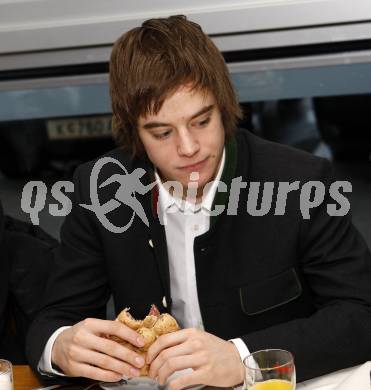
(229, 171)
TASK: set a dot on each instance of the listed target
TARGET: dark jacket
(25, 262)
(276, 281)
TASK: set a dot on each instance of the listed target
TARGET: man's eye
(162, 135)
(202, 123)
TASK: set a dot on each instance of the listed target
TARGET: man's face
(187, 135)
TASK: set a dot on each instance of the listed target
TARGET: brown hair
(150, 62)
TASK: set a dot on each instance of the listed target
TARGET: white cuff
(241, 348)
(243, 351)
(45, 364)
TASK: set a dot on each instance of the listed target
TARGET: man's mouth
(194, 167)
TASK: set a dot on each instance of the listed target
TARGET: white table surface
(353, 378)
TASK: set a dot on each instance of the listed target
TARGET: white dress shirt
(183, 222)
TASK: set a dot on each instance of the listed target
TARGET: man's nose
(187, 144)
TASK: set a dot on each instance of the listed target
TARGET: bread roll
(126, 318)
(149, 321)
(149, 336)
(165, 324)
(153, 326)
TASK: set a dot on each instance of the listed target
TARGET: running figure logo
(125, 195)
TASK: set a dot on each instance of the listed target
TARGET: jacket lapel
(157, 236)
(228, 174)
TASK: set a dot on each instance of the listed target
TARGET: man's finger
(114, 328)
(96, 373)
(165, 355)
(107, 362)
(196, 378)
(166, 341)
(114, 349)
(176, 364)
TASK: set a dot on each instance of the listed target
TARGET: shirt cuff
(243, 351)
(45, 364)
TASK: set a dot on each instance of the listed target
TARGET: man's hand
(215, 362)
(82, 350)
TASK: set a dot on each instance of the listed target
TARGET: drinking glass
(6, 375)
(270, 369)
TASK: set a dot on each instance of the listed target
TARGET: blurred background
(302, 70)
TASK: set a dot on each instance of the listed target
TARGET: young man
(235, 282)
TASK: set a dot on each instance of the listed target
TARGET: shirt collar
(166, 200)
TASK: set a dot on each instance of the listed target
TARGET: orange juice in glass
(273, 384)
(270, 369)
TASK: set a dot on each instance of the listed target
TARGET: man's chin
(199, 179)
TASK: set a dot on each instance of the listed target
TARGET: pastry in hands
(150, 328)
